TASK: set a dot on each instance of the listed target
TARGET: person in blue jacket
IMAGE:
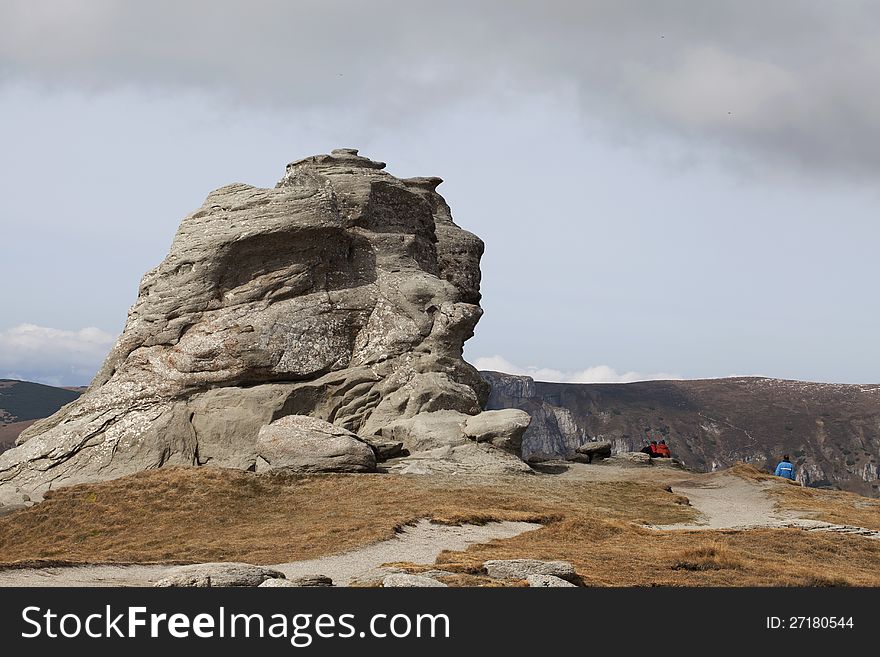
(785, 468)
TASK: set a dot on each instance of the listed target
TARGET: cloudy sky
(670, 188)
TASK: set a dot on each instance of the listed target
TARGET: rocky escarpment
(343, 294)
(831, 431)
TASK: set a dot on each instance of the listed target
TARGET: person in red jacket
(651, 449)
(662, 450)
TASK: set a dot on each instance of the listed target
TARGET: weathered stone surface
(428, 430)
(344, 294)
(593, 450)
(298, 582)
(219, 574)
(504, 428)
(306, 444)
(277, 584)
(635, 459)
(598, 448)
(546, 581)
(440, 442)
(13, 495)
(522, 568)
(468, 459)
(406, 580)
(13, 499)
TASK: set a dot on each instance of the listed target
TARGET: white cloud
(53, 356)
(596, 374)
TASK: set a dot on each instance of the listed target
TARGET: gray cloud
(784, 83)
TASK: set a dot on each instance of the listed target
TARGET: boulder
(543, 581)
(629, 459)
(218, 575)
(593, 450)
(300, 443)
(298, 582)
(405, 580)
(522, 568)
(343, 293)
(431, 430)
(428, 430)
(503, 428)
(470, 459)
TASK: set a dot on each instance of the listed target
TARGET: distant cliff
(831, 431)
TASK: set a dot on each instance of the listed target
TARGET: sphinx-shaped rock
(344, 294)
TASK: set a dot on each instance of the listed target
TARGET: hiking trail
(731, 502)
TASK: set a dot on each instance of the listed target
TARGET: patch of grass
(627, 555)
(839, 507)
(710, 555)
(210, 514)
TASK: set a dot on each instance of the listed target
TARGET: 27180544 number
(810, 622)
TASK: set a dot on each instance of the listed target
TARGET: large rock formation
(344, 294)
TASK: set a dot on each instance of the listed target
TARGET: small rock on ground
(629, 459)
(406, 580)
(547, 581)
(522, 568)
(298, 582)
(219, 575)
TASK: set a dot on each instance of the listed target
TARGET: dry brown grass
(186, 515)
(831, 506)
(707, 555)
(205, 514)
(628, 555)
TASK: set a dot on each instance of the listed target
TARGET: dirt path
(728, 502)
(419, 543)
(731, 502)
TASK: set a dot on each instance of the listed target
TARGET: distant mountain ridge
(831, 431)
(23, 402)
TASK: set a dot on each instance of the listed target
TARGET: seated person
(785, 469)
